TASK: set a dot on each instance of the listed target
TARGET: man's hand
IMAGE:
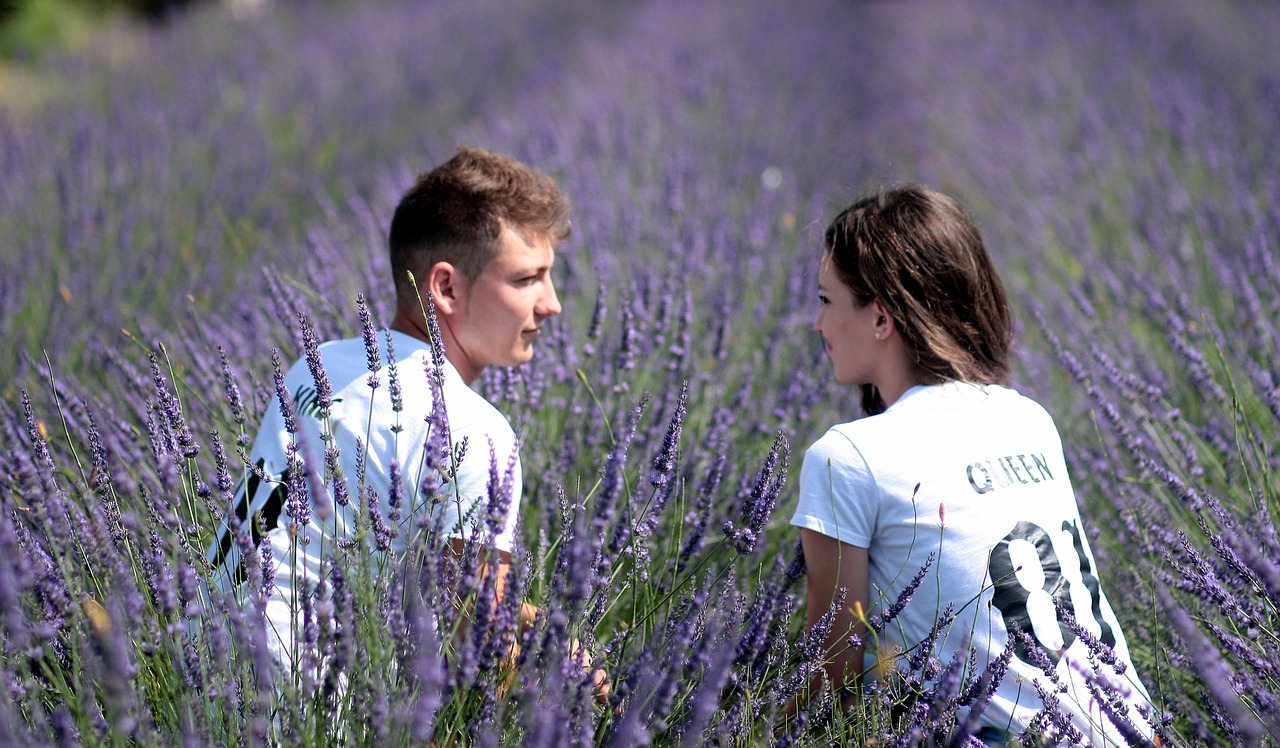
(599, 678)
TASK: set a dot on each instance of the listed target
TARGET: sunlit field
(185, 202)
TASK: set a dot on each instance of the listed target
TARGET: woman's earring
(877, 336)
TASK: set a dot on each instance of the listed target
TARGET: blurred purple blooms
(184, 219)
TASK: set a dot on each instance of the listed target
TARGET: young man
(476, 236)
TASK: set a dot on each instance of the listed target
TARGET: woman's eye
(823, 299)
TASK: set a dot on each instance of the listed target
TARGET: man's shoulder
(343, 362)
(337, 354)
(469, 410)
(344, 352)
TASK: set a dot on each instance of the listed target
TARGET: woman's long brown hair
(920, 254)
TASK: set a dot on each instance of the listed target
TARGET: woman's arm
(833, 565)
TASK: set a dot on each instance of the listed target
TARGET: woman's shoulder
(836, 453)
(1019, 403)
(928, 413)
(965, 398)
(841, 440)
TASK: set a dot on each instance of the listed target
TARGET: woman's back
(970, 481)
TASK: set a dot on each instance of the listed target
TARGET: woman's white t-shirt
(996, 509)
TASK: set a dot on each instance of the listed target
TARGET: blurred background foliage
(32, 30)
(31, 27)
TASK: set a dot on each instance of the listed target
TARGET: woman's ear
(884, 321)
(446, 284)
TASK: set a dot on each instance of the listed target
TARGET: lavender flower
(598, 314)
(373, 360)
(173, 413)
(310, 347)
(382, 534)
(759, 504)
(664, 463)
(393, 381)
(613, 482)
(437, 340)
(879, 621)
(1215, 673)
(283, 396)
(337, 480)
(297, 503)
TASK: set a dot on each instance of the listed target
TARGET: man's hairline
(527, 235)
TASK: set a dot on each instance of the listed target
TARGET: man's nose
(550, 304)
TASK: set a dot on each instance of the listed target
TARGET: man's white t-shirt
(996, 509)
(364, 422)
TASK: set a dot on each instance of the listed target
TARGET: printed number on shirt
(1032, 585)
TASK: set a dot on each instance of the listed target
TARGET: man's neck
(413, 326)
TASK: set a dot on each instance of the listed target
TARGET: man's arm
(498, 563)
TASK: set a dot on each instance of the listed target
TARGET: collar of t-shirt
(407, 345)
(943, 395)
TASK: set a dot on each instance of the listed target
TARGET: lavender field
(184, 201)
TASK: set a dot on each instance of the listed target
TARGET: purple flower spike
(283, 397)
(437, 340)
(879, 621)
(393, 381)
(1214, 672)
(232, 391)
(381, 532)
(186, 442)
(598, 315)
(664, 463)
(759, 503)
(500, 488)
(370, 335)
(310, 346)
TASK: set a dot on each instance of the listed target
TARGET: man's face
(502, 311)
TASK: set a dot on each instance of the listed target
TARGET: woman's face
(848, 329)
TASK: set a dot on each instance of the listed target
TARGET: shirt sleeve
(260, 492)
(837, 492)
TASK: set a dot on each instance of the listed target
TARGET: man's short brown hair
(455, 213)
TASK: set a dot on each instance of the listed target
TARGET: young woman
(955, 473)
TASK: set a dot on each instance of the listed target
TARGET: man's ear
(448, 286)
